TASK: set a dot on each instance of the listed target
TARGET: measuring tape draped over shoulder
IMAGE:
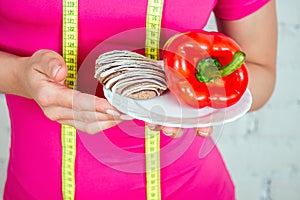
(68, 133)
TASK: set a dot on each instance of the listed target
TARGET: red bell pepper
(205, 69)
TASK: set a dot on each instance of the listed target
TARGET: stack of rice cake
(130, 74)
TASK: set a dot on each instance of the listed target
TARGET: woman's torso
(109, 165)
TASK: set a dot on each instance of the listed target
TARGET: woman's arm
(8, 66)
(41, 77)
(257, 36)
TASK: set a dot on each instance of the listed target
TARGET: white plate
(167, 111)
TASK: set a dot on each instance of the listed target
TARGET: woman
(39, 101)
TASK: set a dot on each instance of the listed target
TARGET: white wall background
(261, 149)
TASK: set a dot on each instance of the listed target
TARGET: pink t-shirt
(110, 164)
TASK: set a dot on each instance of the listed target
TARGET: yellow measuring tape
(152, 145)
(153, 26)
(152, 138)
(68, 133)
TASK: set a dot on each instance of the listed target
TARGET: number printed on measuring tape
(152, 138)
(70, 43)
(152, 146)
(68, 133)
(70, 39)
(153, 26)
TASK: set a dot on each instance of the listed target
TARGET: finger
(126, 117)
(51, 64)
(172, 132)
(153, 127)
(89, 102)
(62, 113)
(64, 97)
(90, 116)
(83, 101)
(102, 105)
(204, 131)
(90, 128)
(60, 73)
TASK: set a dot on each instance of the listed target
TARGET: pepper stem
(210, 69)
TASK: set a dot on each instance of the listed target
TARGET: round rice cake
(130, 74)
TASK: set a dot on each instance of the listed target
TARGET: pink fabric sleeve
(237, 9)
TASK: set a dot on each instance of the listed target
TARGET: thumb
(51, 64)
(58, 71)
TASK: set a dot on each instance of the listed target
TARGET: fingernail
(168, 131)
(113, 113)
(179, 133)
(151, 126)
(167, 134)
(126, 117)
(203, 134)
(175, 133)
(55, 70)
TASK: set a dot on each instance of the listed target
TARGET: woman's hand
(42, 78)
(177, 132)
